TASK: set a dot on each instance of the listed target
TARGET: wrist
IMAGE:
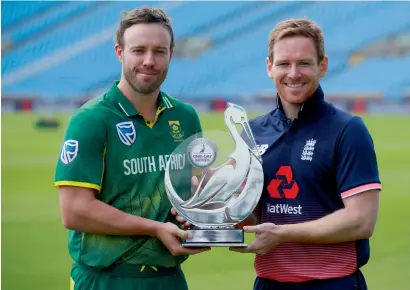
(284, 233)
(156, 229)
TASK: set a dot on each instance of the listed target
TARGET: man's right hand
(170, 234)
(182, 221)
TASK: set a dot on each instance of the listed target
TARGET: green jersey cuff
(78, 184)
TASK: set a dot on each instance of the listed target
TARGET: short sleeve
(198, 125)
(356, 162)
(196, 122)
(81, 158)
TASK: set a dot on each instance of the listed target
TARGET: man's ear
(118, 52)
(269, 67)
(323, 66)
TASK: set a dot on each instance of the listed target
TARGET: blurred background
(56, 55)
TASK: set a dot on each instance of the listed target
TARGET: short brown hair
(143, 15)
(297, 27)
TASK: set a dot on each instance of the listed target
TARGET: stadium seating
(246, 72)
(54, 18)
(81, 28)
(193, 17)
(13, 12)
(77, 57)
(378, 75)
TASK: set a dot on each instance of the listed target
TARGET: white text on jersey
(153, 163)
(284, 209)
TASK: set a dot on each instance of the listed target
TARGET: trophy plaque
(215, 180)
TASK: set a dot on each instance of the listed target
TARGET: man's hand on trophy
(170, 235)
(194, 183)
(267, 238)
(184, 223)
(249, 221)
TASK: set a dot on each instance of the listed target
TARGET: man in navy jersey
(321, 193)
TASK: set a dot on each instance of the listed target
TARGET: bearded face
(145, 57)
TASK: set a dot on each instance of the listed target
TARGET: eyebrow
(142, 46)
(300, 60)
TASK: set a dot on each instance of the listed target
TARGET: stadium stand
(61, 51)
(14, 12)
(53, 18)
(375, 75)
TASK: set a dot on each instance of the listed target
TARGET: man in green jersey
(110, 172)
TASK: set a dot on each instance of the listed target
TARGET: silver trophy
(222, 196)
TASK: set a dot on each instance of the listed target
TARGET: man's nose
(149, 59)
(294, 72)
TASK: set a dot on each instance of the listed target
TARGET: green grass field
(34, 252)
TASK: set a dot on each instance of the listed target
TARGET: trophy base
(212, 245)
(218, 237)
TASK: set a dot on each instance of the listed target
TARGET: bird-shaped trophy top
(234, 189)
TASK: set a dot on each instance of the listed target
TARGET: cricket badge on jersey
(308, 149)
(261, 149)
(176, 131)
(126, 132)
(69, 151)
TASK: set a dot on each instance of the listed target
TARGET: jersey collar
(164, 102)
(312, 108)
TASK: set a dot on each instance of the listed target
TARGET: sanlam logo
(283, 187)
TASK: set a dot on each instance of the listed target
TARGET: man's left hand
(267, 238)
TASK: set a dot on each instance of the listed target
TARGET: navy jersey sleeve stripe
(356, 163)
(360, 189)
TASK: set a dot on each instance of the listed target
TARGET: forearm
(94, 216)
(340, 226)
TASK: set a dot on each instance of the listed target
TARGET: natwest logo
(283, 186)
(284, 209)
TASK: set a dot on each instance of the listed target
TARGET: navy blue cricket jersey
(310, 165)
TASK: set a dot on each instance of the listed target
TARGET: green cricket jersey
(110, 147)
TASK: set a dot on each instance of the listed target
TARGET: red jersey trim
(360, 189)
